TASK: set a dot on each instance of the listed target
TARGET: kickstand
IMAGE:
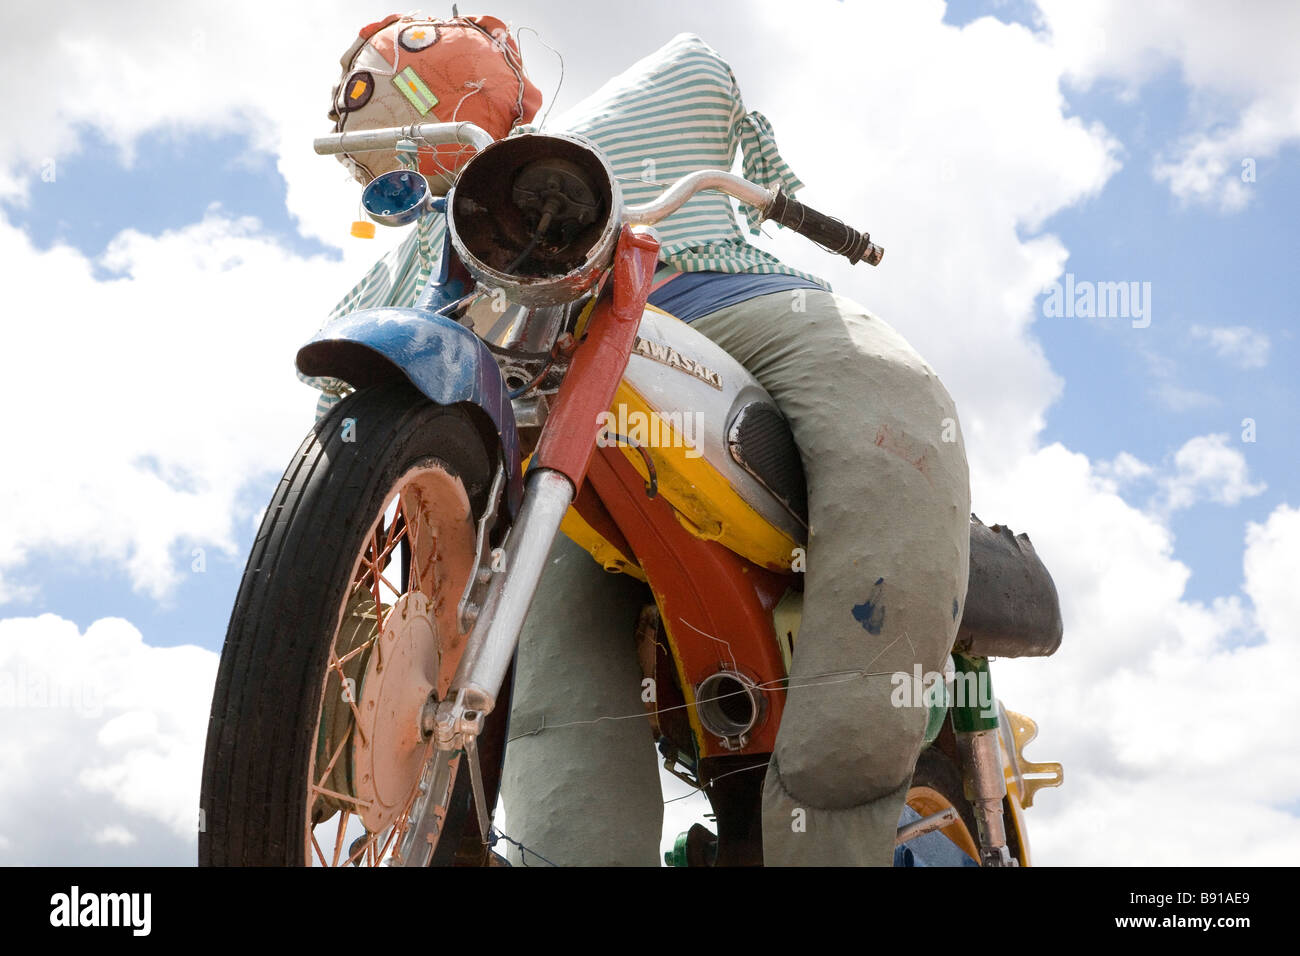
(476, 783)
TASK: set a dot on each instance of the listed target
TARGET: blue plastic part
(441, 290)
(443, 359)
(396, 198)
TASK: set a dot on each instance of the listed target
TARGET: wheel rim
(927, 801)
(397, 641)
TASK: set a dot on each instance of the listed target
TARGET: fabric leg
(584, 795)
(888, 549)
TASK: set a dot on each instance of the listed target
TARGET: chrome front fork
(515, 574)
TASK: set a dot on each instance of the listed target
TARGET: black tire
(267, 701)
(937, 773)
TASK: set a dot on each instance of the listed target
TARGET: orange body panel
(716, 607)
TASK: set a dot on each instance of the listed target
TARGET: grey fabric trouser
(888, 548)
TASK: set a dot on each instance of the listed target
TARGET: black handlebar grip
(826, 231)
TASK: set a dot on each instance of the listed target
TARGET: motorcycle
(361, 705)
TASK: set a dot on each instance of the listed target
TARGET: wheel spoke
(351, 701)
(338, 840)
(320, 853)
(359, 649)
(396, 590)
(337, 752)
(360, 850)
(405, 531)
(392, 833)
(392, 528)
(362, 804)
(374, 584)
(422, 548)
(412, 550)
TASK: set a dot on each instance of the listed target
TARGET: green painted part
(934, 724)
(677, 855)
(413, 89)
(975, 707)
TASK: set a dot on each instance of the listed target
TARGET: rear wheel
(937, 785)
(345, 624)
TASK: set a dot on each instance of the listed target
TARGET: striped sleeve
(677, 111)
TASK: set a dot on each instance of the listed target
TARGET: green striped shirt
(674, 112)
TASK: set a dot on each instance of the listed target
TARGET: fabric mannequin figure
(888, 499)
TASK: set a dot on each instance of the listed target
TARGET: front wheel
(344, 626)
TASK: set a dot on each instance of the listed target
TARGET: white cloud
(1206, 468)
(233, 72)
(101, 743)
(1164, 387)
(1237, 58)
(114, 835)
(1124, 469)
(1176, 398)
(952, 168)
(1239, 344)
(174, 387)
(1272, 560)
(1154, 703)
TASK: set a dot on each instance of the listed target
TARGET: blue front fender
(443, 359)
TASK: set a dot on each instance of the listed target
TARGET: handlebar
(827, 231)
(431, 134)
(777, 206)
(676, 195)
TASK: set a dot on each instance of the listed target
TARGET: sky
(169, 239)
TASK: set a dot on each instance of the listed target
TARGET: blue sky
(1163, 89)
(168, 181)
(1206, 268)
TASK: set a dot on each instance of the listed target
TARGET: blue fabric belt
(690, 295)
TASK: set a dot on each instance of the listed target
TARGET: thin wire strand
(700, 789)
(496, 834)
(730, 652)
(519, 39)
(812, 680)
(641, 180)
